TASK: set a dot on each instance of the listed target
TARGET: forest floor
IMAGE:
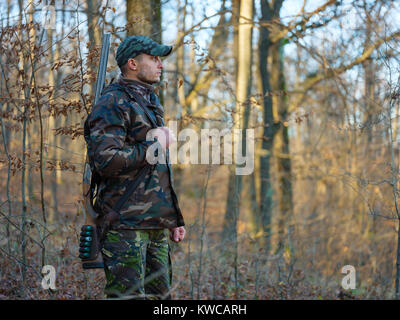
(73, 283)
(204, 267)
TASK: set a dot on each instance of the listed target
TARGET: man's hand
(164, 136)
(177, 234)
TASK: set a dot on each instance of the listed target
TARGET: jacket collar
(144, 88)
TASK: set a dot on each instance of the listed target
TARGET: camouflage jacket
(115, 134)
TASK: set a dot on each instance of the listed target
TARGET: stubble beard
(146, 77)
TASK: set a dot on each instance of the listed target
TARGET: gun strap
(130, 189)
(143, 105)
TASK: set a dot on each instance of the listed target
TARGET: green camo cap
(134, 45)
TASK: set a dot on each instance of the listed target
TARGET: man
(135, 249)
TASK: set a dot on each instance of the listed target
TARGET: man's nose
(160, 64)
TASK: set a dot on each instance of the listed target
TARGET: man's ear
(132, 64)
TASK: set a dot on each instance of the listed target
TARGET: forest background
(317, 81)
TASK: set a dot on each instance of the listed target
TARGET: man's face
(148, 68)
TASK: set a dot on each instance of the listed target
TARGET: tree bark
(144, 18)
(23, 95)
(52, 143)
(281, 143)
(269, 12)
(243, 86)
(94, 32)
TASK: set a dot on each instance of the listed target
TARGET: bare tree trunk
(281, 144)
(369, 115)
(6, 149)
(144, 18)
(229, 229)
(33, 128)
(53, 211)
(194, 105)
(180, 58)
(243, 86)
(23, 96)
(92, 12)
(94, 32)
(269, 12)
(394, 184)
(179, 85)
(60, 120)
(33, 45)
(6, 134)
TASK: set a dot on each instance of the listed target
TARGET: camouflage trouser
(137, 264)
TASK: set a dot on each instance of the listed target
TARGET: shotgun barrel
(89, 241)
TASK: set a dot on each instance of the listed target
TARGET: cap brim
(161, 50)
